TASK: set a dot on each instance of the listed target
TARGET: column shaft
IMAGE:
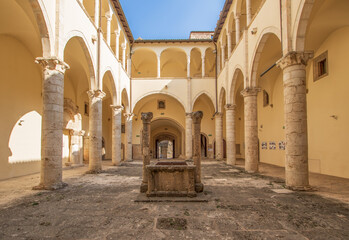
(146, 118)
(108, 29)
(230, 128)
(124, 55)
(159, 68)
(188, 66)
(248, 12)
(295, 105)
(219, 135)
(96, 12)
(203, 67)
(95, 127)
(197, 116)
(116, 134)
(229, 44)
(237, 29)
(52, 123)
(251, 129)
(117, 42)
(188, 137)
(128, 133)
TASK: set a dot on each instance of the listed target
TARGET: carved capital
(247, 92)
(295, 58)
(197, 116)
(219, 115)
(147, 117)
(129, 116)
(52, 63)
(230, 107)
(123, 46)
(188, 115)
(98, 94)
(117, 108)
(81, 133)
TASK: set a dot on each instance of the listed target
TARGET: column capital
(52, 63)
(117, 32)
(129, 116)
(96, 94)
(237, 16)
(250, 92)
(123, 46)
(146, 117)
(197, 116)
(117, 108)
(295, 58)
(219, 115)
(81, 133)
(230, 107)
(188, 115)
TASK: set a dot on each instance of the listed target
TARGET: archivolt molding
(202, 93)
(263, 37)
(159, 92)
(87, 50)
(232, 83)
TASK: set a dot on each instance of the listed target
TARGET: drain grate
(172, 223)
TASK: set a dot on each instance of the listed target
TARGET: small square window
(321, 66)
(86, 108)
(161, 104)
(265, 99)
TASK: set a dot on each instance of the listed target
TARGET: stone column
(188, 136)
(129, 65)
(230, 127)
(203, 66)
(116, 134)
(237, 28)
(229, 43)
(109, 17)
(75, 147)
(218, 61)
(123, 46)
(159, 67)
(188, 66)
(219, 135)
(117, 42)
(223, 55)
(52, 123)
(96, 12)
(248, 12)
(128, 133)
(295, 105)
(251, 129)
(95, 126)
(81, 146)
(146, 118)
(197, 116)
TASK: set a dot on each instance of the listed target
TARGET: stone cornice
(295, 58)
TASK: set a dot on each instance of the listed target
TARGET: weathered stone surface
(197, 117)
(251, 129)
(146, 119)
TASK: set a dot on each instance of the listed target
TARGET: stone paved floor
(240, 206)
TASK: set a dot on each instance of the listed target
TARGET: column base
(94, 171)
(56, 186)
(199, 187)
(301, 188)
(144, 188)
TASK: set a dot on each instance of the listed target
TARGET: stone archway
(72, 134)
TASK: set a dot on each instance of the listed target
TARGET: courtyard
(234, 205)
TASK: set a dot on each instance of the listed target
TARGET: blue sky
(171, 19)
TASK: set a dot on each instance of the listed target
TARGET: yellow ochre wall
(20, 86)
